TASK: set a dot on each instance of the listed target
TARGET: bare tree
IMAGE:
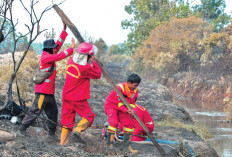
(33, 32)
(5, 5)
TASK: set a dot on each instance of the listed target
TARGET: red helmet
(87, 48)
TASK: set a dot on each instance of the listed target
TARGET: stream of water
(213, 118)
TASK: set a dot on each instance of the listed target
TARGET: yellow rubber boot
(110, 139)
(64, 139)
(82, 126)
(127, 144)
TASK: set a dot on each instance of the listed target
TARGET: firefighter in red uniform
(76, 91)
(143, 114)
(44, 92)
(117, 112)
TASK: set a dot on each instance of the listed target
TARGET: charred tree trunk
(70, 25)
(1, 36)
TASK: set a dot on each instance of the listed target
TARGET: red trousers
(138, 132)
(69, 110)
(116, 116)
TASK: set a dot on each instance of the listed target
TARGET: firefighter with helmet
(76, 91)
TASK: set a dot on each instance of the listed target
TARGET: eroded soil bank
(213, 90)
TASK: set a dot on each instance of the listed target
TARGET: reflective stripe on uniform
(76, 76)
(120, 104)
(140, 107)
(66, 53)
(40, 102)
(48, 81)
(111, 128)
(122, 87)
(61, 40)
(128, 129)
(132, 105)
(46, 69)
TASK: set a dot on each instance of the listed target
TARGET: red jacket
(143, 114)
(113, 100)
(46, 61)
(77, 83)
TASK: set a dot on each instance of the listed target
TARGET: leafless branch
(4, 11)
(6, 4)
(32, 35)
(11, 30)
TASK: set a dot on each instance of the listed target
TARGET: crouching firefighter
(117, 113)
(44, 92)
(76, 91)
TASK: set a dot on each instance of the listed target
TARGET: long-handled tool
(81, 40)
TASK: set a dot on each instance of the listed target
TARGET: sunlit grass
(202, 132)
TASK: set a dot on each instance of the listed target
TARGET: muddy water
(213, 118)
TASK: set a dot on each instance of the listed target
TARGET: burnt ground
(154, 97)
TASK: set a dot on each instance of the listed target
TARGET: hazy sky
(99, 18)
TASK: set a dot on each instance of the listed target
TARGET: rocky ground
(154, 97)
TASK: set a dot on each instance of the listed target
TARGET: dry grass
(24, 75)
(114, 58)
(101, 81)
(170, 122)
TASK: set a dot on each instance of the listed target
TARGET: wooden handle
(70, 25)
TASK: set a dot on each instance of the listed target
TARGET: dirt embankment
(210, 89)
(171, 123)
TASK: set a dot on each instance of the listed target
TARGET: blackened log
(70, 25)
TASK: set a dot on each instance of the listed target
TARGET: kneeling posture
(117, 112)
